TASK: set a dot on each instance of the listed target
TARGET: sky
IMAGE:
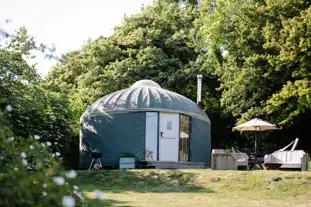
(65, 23)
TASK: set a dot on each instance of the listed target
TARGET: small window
(169, 125)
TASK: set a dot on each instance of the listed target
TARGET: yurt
(148, 121)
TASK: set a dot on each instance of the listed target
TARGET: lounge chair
(287, 159)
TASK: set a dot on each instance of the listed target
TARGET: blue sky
(66, 23)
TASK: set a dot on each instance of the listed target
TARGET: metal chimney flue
(199, 88)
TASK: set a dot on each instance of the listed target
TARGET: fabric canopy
(255, 125)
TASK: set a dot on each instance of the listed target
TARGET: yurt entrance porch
(167, 141)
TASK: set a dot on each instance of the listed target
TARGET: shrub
(30, 175)
(127, 154)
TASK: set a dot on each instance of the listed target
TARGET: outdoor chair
(222, 160)
(296, 159)
(287, 159)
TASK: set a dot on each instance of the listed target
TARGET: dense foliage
(30, 175)
(260, 51)
(34, 133)
(35, 111)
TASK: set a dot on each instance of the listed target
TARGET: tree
(34, 110)
(259, 51)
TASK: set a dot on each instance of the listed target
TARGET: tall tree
(33, 110)
(260, 52)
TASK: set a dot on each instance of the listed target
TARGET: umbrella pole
(255, 142)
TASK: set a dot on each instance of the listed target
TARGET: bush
(30, 175)
(127, 154)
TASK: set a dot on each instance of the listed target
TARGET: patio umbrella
(255, 125)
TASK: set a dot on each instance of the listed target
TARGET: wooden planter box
(127, 162)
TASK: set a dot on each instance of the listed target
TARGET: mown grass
(198, 187)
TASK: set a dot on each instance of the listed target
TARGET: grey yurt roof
(144, 95)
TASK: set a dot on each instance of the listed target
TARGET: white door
(168, 137)
(151, 144)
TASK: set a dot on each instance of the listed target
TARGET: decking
(173, 165)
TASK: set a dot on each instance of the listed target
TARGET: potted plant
(127, 160)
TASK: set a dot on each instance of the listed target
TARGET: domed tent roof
(144, 95)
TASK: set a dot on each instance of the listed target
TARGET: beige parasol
(255, 125)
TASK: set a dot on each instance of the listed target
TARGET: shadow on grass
(108, 203)
(157, 181)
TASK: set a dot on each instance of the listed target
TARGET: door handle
(161, 134)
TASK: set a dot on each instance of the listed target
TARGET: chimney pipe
(199, 93)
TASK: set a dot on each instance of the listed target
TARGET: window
(169, 125)
(184, 138)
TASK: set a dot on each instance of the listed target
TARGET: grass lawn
(197, 188)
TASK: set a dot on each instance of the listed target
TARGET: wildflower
(68, 201)
(9, 108)
(80, 196)
(99, 195)
(25, 162)
(37, 137)
(59, 180)
(71, 174)
(23, 155)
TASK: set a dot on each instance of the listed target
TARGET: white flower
(37, 137)
(99, 195)
(71, 174)
(23, 155)
(80, 196)
(44, 185)
(59, 180)
(68, 201)
(55, 143)
(75, 187)
(25, 162)
(15, 169)
(48, 143)
(42, 144)
(9, 108)
(57, 154)
(44, 193)
(53, 155)
(31, 147)
(11, 139)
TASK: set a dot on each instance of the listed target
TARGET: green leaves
(268, 45)
(293, 100)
